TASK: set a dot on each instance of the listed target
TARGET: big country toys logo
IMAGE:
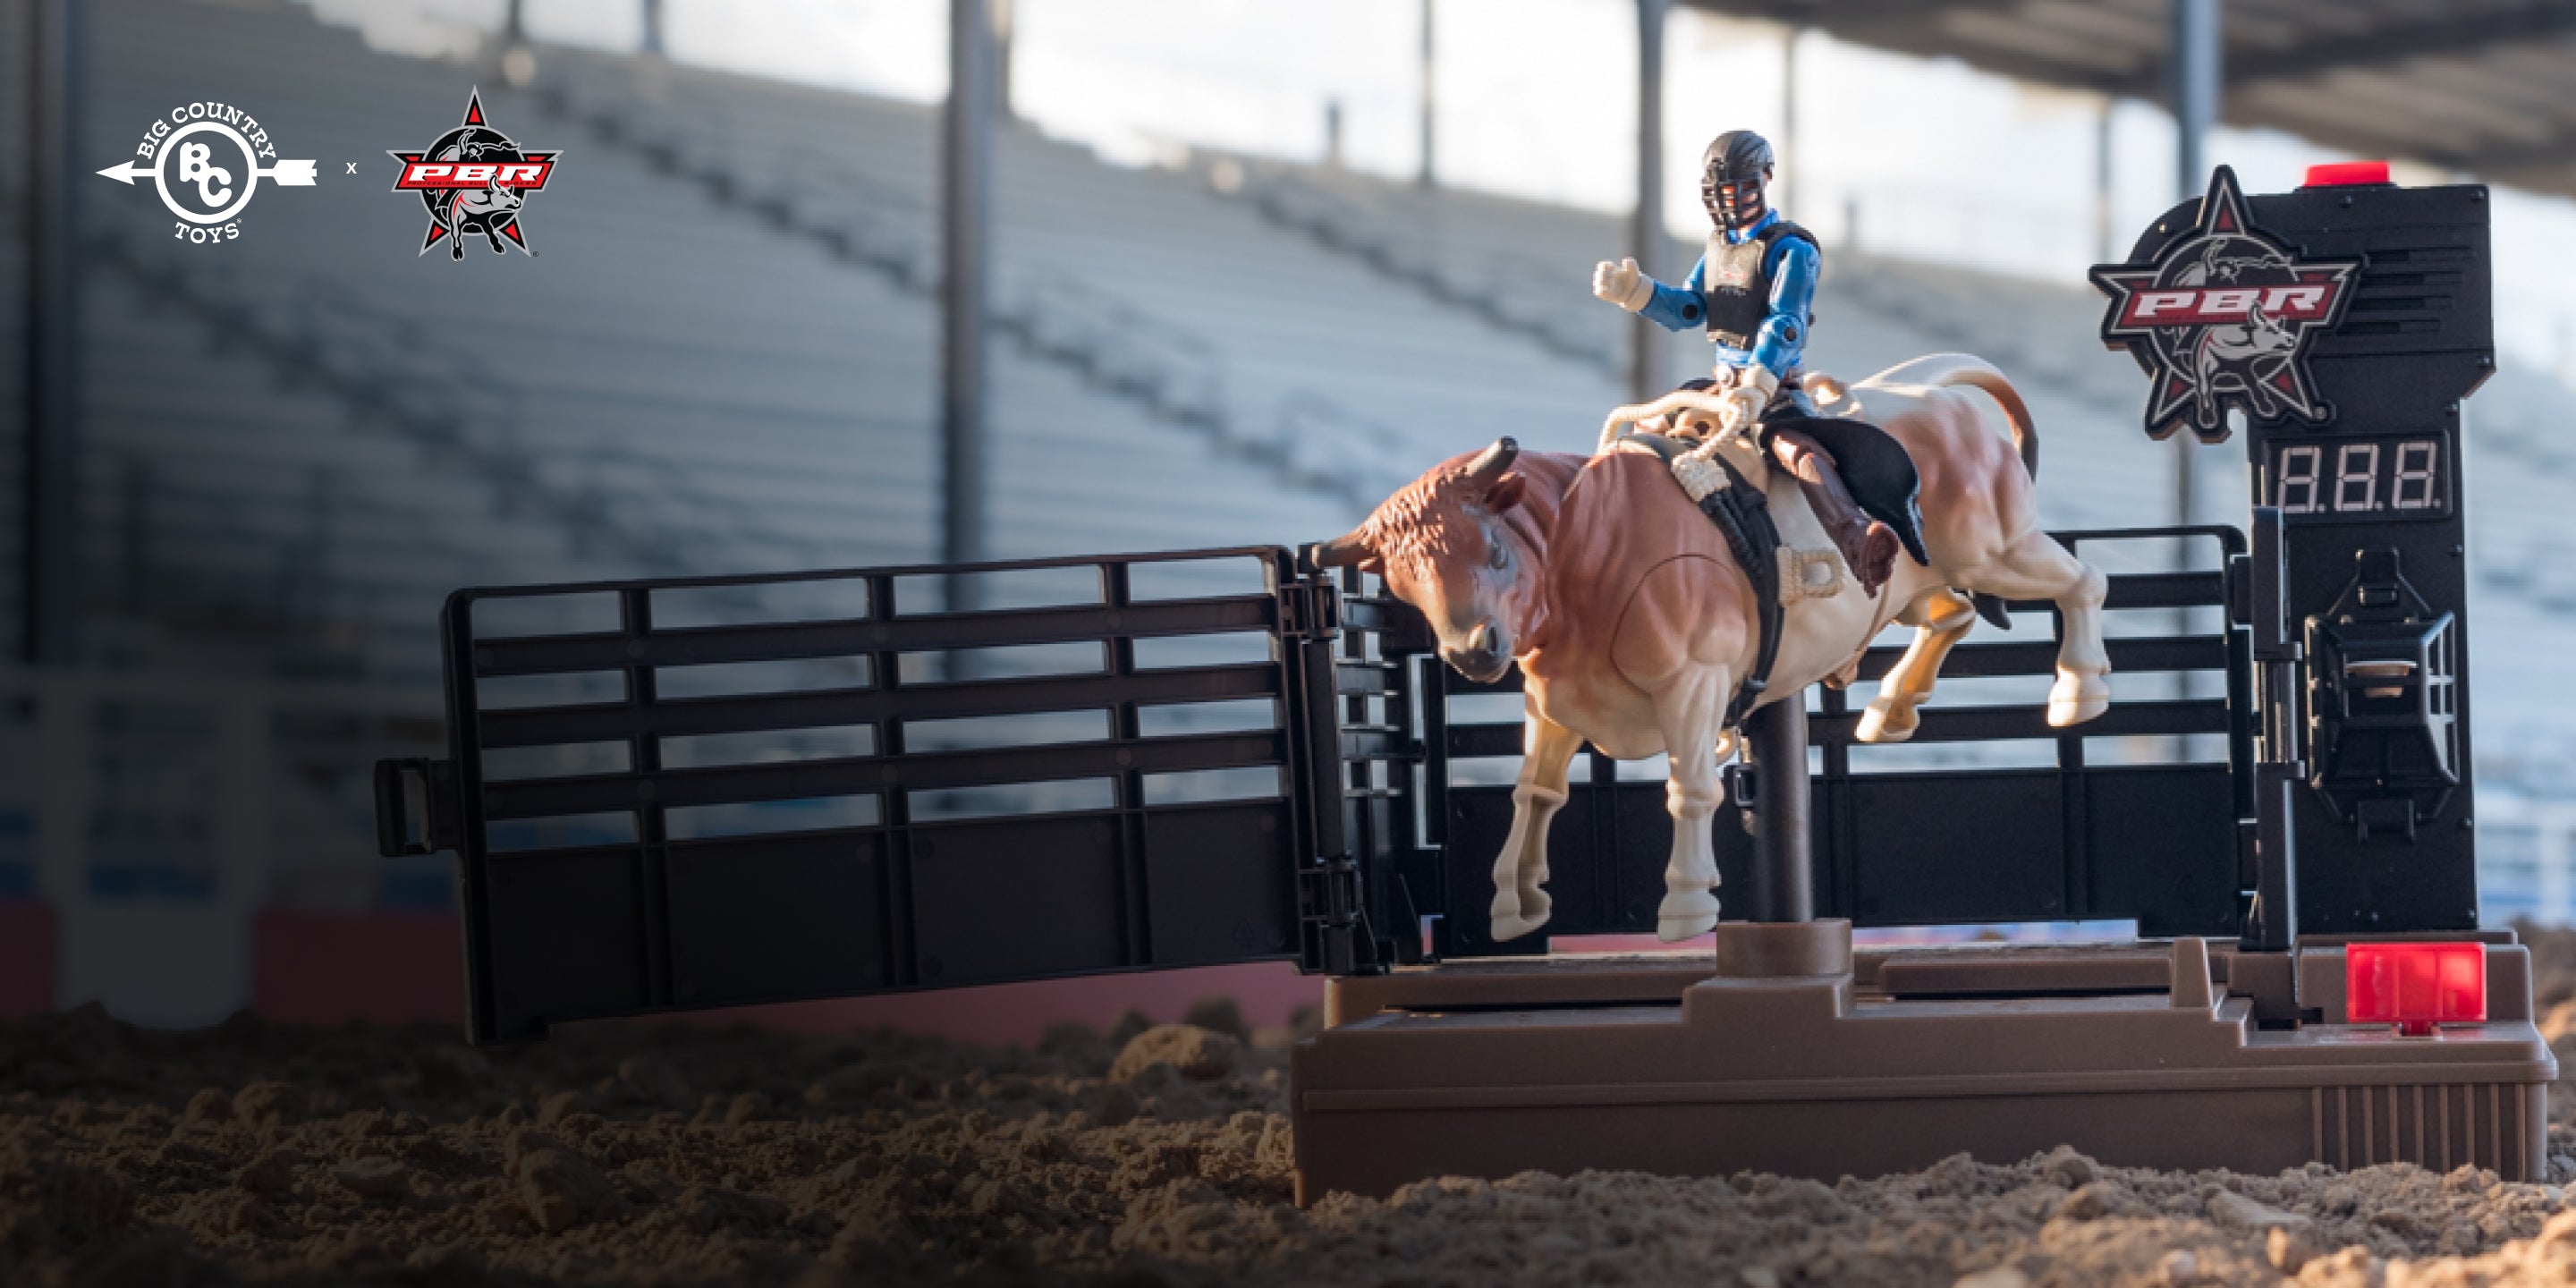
(204, 159)
(2224, 317)
(474, 179)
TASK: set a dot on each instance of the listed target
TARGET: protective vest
(1739, 285)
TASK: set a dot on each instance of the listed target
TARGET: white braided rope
(1712, 401)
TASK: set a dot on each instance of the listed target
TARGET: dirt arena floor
(1145, 1156)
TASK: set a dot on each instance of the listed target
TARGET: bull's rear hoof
(1686, 916)
(1673, 930)
(2076, 699)
(1507, 929)
(1881, 721)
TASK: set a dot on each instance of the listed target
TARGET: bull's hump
(1624, 516)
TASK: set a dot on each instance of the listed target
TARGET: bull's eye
(1496, 557)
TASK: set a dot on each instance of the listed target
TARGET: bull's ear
(1506, 493)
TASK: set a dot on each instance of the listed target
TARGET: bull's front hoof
(1884, 721)
(2075, 699)
(1507, 929)
(1535, 905)
(1686, 916)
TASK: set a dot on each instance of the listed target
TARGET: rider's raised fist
(1622, 284)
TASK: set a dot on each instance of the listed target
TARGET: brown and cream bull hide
(1633, 625)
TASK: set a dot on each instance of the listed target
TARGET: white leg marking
(1941, 619)
(2035, 567)
(1521, 904)
(1689, 712)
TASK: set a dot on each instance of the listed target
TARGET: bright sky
(1533, 98)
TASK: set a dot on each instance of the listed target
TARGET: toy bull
(1636, 628)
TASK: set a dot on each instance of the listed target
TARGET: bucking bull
(1633, 625)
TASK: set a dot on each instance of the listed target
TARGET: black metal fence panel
(723, 791)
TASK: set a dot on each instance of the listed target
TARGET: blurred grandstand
(294, 449)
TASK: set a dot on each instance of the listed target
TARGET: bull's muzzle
(1485, 656)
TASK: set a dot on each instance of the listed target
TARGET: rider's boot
(1868, 546)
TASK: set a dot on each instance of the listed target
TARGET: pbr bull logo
(2224, 318)
(474, 180)
(206, 160)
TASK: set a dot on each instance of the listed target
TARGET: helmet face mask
(1734, 205)
(1733, 172)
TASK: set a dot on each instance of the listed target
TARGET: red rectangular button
(2415, 986)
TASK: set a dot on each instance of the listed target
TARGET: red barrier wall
(331, 968)
(27, 956)
(399, 967)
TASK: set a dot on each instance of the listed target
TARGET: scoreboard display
(2373, 479)
(2342, 324)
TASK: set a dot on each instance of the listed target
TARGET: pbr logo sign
(2225, 318)
(474, 179)
(206, 160)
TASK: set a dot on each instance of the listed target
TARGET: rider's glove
(1623, 284)
(1744, 402)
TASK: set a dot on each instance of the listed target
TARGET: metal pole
(2195, 109)
(513, 30)
(51, 581)
(1006, 28)
(1784, 882)
(1427, 176)
(1646, 232)
(1788, 149)
(966, 187)
(653, 28)
(2105, 232)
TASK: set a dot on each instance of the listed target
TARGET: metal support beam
(1006, 37)
(1787, 149)
(2441, 32)
(652, 42)
(514, 28)
(1646, 227)
(50, 581)
(1427, 176)
(2194, 74)
(2106, 229)
(1784, 881)
(966, 189)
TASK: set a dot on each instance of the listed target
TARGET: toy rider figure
(1753, 288)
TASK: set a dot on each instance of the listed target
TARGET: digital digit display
(2377, 479)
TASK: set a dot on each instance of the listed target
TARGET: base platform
(1790, 1053)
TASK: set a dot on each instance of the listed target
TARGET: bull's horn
(1490, 463)
(1340, 552)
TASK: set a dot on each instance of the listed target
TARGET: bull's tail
(1946, 369)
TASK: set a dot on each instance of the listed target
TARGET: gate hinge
(1328, 911)
(425, 821)
(1310, 610)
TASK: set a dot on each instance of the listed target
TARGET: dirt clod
(561, 1189)
(1198, 1054)
(377, 1180)
(2288, 1249)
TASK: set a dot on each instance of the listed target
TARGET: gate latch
(1310, 610)
(416, 808)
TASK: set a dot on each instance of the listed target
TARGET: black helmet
(1732, 173)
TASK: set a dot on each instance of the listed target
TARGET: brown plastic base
(1810, 1060)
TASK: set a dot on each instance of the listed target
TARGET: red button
(2415, 986)
(2341, 174)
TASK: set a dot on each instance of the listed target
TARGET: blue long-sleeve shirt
(1791, 265)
